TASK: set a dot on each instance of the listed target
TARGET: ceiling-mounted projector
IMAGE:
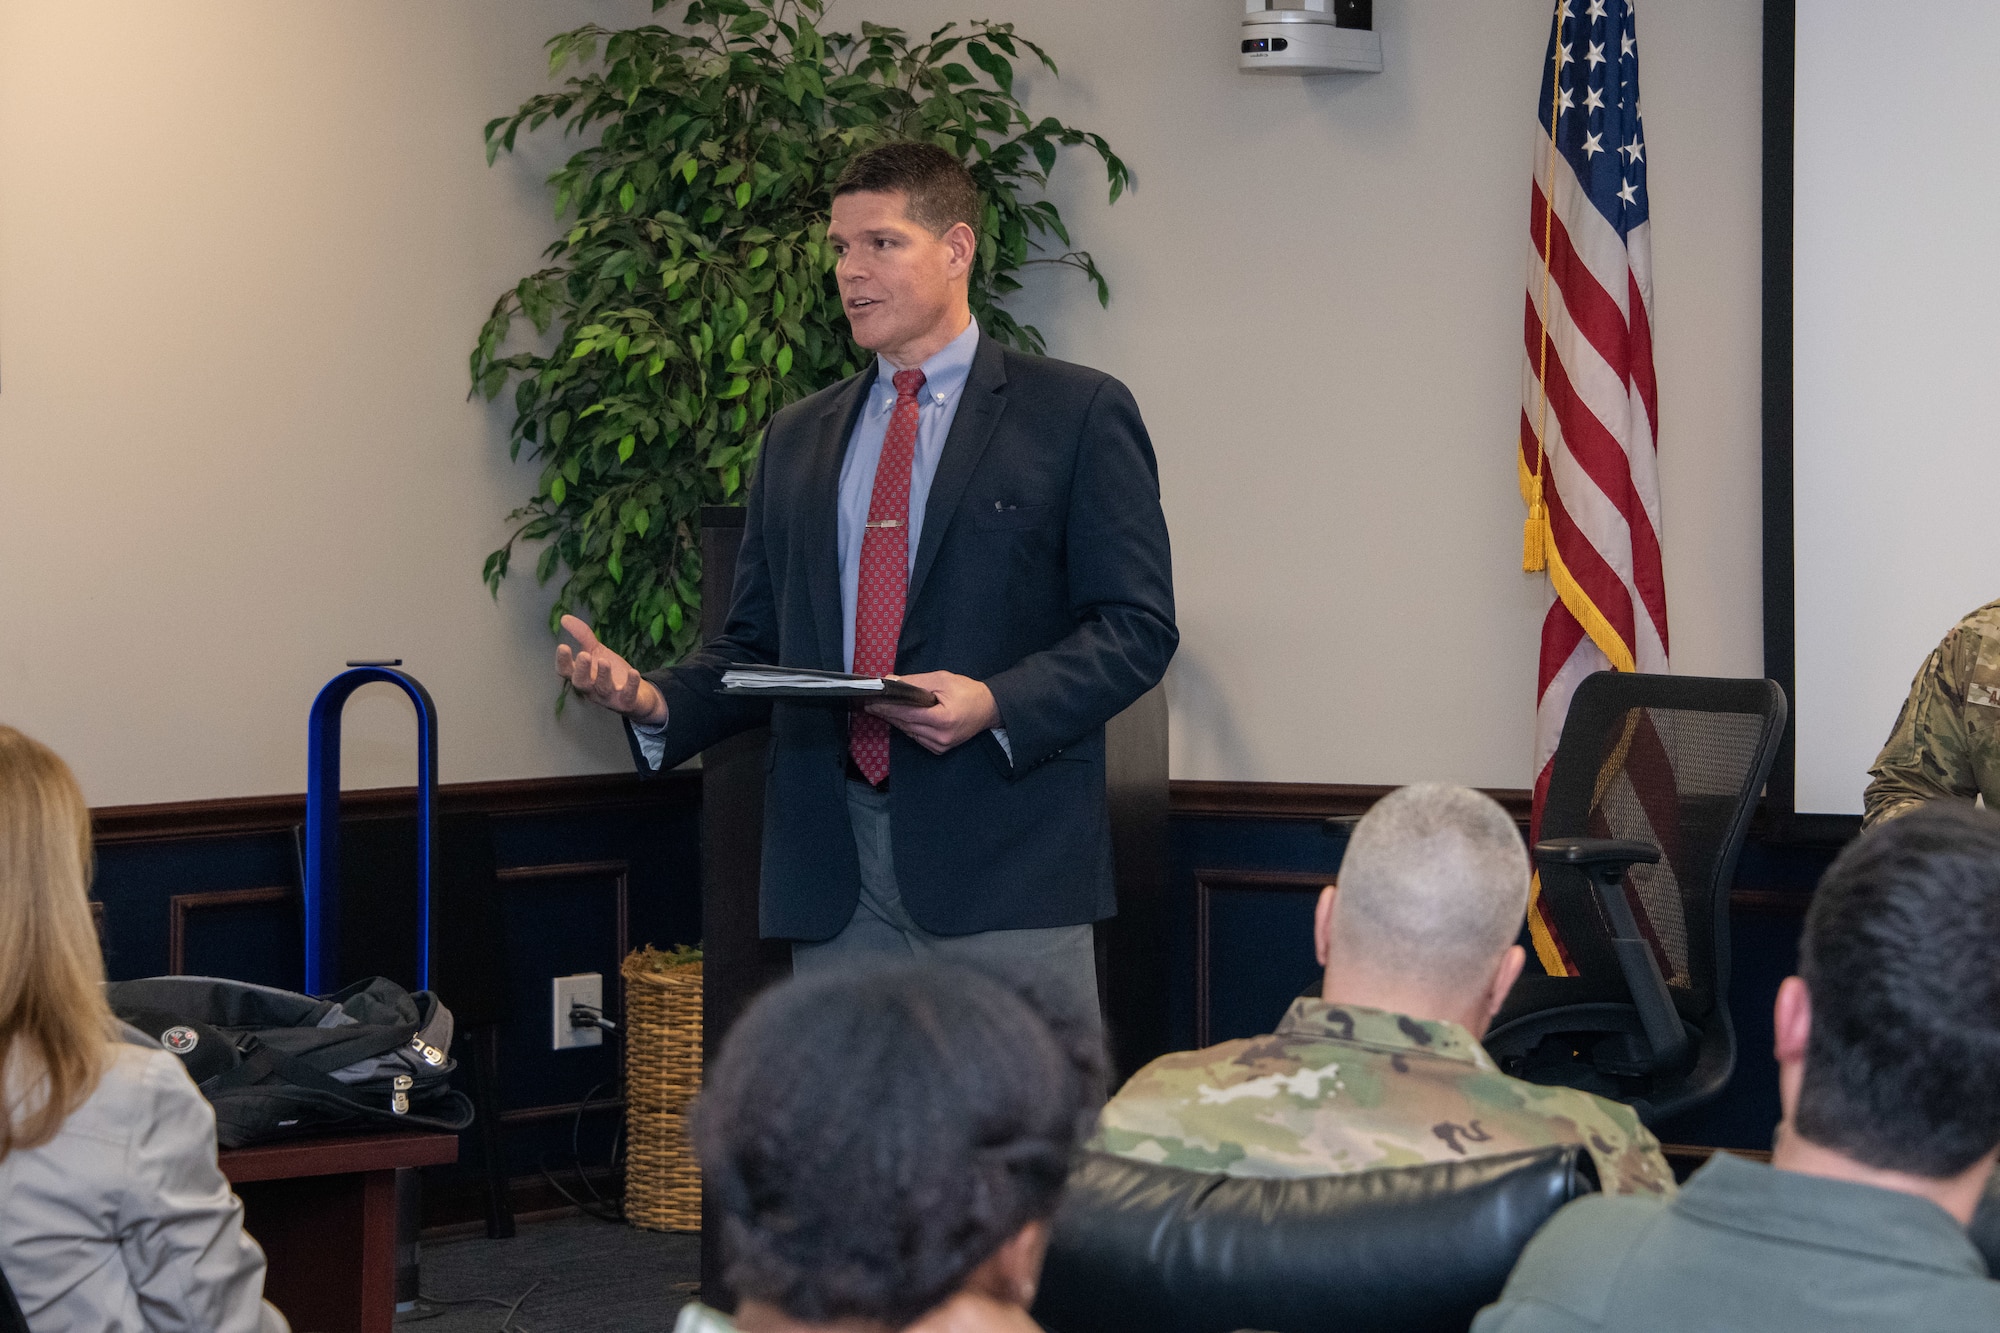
(1310, 37)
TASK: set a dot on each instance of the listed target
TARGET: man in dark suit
(978, 522)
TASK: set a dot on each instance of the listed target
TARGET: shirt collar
(944, 374)
(1746, 1196)
(1380, 1030)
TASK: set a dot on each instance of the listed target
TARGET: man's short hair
(938, 191)
(1434, 882)
(1901, 952)
(874, 1136)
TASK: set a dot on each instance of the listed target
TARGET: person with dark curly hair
(1888, 1050)
(887, 1147)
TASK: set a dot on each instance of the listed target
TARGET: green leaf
(625, 448)
(996, 66)
(784, 361)
(558, 488)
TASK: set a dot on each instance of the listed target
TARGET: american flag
(1589, 408)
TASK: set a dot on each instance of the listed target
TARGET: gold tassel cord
(1535, 530)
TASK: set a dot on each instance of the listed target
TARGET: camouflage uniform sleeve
(1928, 755)
(1627, 1156)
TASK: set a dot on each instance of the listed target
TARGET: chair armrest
(1587, 853)
(1604, 862)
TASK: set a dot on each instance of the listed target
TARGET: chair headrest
(1156, 1248)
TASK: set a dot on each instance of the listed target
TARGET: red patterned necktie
(885, 573)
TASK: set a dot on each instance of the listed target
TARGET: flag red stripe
(1642, 360)
(1594, 447)
(1591, 308)
(1597, 578)
(1651, 769)
(1647, 574)
(1599, 581)
(1560, 636)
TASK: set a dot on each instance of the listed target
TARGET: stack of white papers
(775, 682)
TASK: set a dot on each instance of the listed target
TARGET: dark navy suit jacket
(1042, 569)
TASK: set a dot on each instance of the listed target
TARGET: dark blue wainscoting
(586, 869)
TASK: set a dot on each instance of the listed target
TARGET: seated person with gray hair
(1385, 1068)
(1888, 1050)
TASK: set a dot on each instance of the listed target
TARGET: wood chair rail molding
(1303, 800)
(236, 816)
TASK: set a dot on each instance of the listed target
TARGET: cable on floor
(507, 1324)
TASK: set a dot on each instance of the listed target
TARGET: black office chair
(1140, 1248)
(1654, 783)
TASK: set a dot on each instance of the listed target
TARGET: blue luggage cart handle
(322, 872)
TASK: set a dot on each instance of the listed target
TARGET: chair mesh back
(1676, 761)
(1671, 777)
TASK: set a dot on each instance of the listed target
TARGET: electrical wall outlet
(585, 988)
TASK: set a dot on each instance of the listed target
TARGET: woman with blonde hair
(113, 1214)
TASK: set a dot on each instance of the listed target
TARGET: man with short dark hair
(1888, 1048)
(982, 523)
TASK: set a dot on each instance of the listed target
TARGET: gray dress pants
(1058, 963)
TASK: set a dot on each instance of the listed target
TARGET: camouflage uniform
(1947, 738)
(1345, 1089)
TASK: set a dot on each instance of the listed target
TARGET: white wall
(235, 305)
(1316, 296)
(244, 249)
(1894, 346)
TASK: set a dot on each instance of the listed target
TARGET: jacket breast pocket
(1004, 515)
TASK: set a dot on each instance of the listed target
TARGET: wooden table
(324, 1209)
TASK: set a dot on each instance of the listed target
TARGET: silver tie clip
(883, 523)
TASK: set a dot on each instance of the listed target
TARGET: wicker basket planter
(662, 1076)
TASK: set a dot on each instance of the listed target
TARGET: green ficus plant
(693, 293)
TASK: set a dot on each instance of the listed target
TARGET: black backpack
(276, 1064)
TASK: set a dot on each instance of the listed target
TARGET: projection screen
(1896, 354)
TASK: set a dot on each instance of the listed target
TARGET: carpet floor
(569, 1275)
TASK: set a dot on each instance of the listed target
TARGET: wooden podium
(1132, 965)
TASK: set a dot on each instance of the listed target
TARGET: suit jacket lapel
(979, 409)
(820, 524)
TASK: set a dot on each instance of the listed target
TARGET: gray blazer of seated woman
(113, 1214)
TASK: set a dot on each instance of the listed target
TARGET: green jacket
(1747, 1247)
(1946, 744)
(1345, 1089)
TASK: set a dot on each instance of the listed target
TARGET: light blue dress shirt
(937, 404)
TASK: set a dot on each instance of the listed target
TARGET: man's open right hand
(605, 678)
